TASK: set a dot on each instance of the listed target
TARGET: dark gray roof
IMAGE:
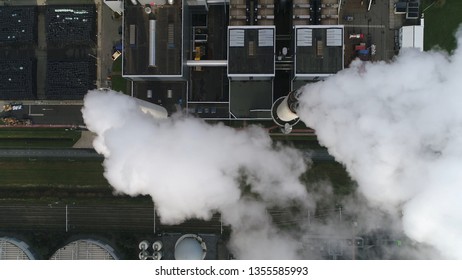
(169, 40)
(169, 94)
(251, 99)
(319, 50)
(251, 51)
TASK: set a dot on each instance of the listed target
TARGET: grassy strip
(38, 137)
(119, 83)
(441, 22)
(117, 65)
(37, 132)
(52, 172)
(36, 143)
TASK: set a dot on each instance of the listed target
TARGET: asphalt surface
(314, 155)
(49, 153)
(378, 26)
(48, 113)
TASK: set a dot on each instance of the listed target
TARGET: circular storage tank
(143, 255)
(14, 249)
(144, 245)
(190, 247)
(157, 255)
(157, 245)
(85, 249)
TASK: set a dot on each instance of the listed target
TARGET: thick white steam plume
(193, 169)
(397, 127)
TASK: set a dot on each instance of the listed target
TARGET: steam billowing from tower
(397, 127)
(192, 170)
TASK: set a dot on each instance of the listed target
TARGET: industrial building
(228, 60)
(176, 246)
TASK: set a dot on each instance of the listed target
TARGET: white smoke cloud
(193, 169)
(397, 128)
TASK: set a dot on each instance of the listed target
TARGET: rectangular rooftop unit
(411, 37)
(251, 52)
(318, 50)
(154, 44)
(413, 9)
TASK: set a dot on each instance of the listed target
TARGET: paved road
(49, 153)
(315, 155)
(52, 114)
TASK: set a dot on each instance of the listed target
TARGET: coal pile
(18, 24)
(17, 79)
(71, 24)
(69, 79)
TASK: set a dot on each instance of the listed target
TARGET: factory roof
(251, 51)
(319, 50)
(251, 99)
(153, 41)
(412, 37)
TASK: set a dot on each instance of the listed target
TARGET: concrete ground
(108, 36)
(378, 26)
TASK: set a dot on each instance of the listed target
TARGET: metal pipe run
(207, 63)
(152, 43)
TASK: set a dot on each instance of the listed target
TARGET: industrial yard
(220, 62)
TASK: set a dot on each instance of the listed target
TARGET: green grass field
(11, 137)
(441, 22)
(117, 65)
(51, 172)
(118, 82)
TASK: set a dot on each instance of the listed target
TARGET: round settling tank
(190, 247)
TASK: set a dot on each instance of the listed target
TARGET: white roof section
(236, 37)
(266, 37)
(115, 5)
(155, 110)
(13, 249)
(334, 37)
(412, 37)
(85, 249)
(304, 37)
